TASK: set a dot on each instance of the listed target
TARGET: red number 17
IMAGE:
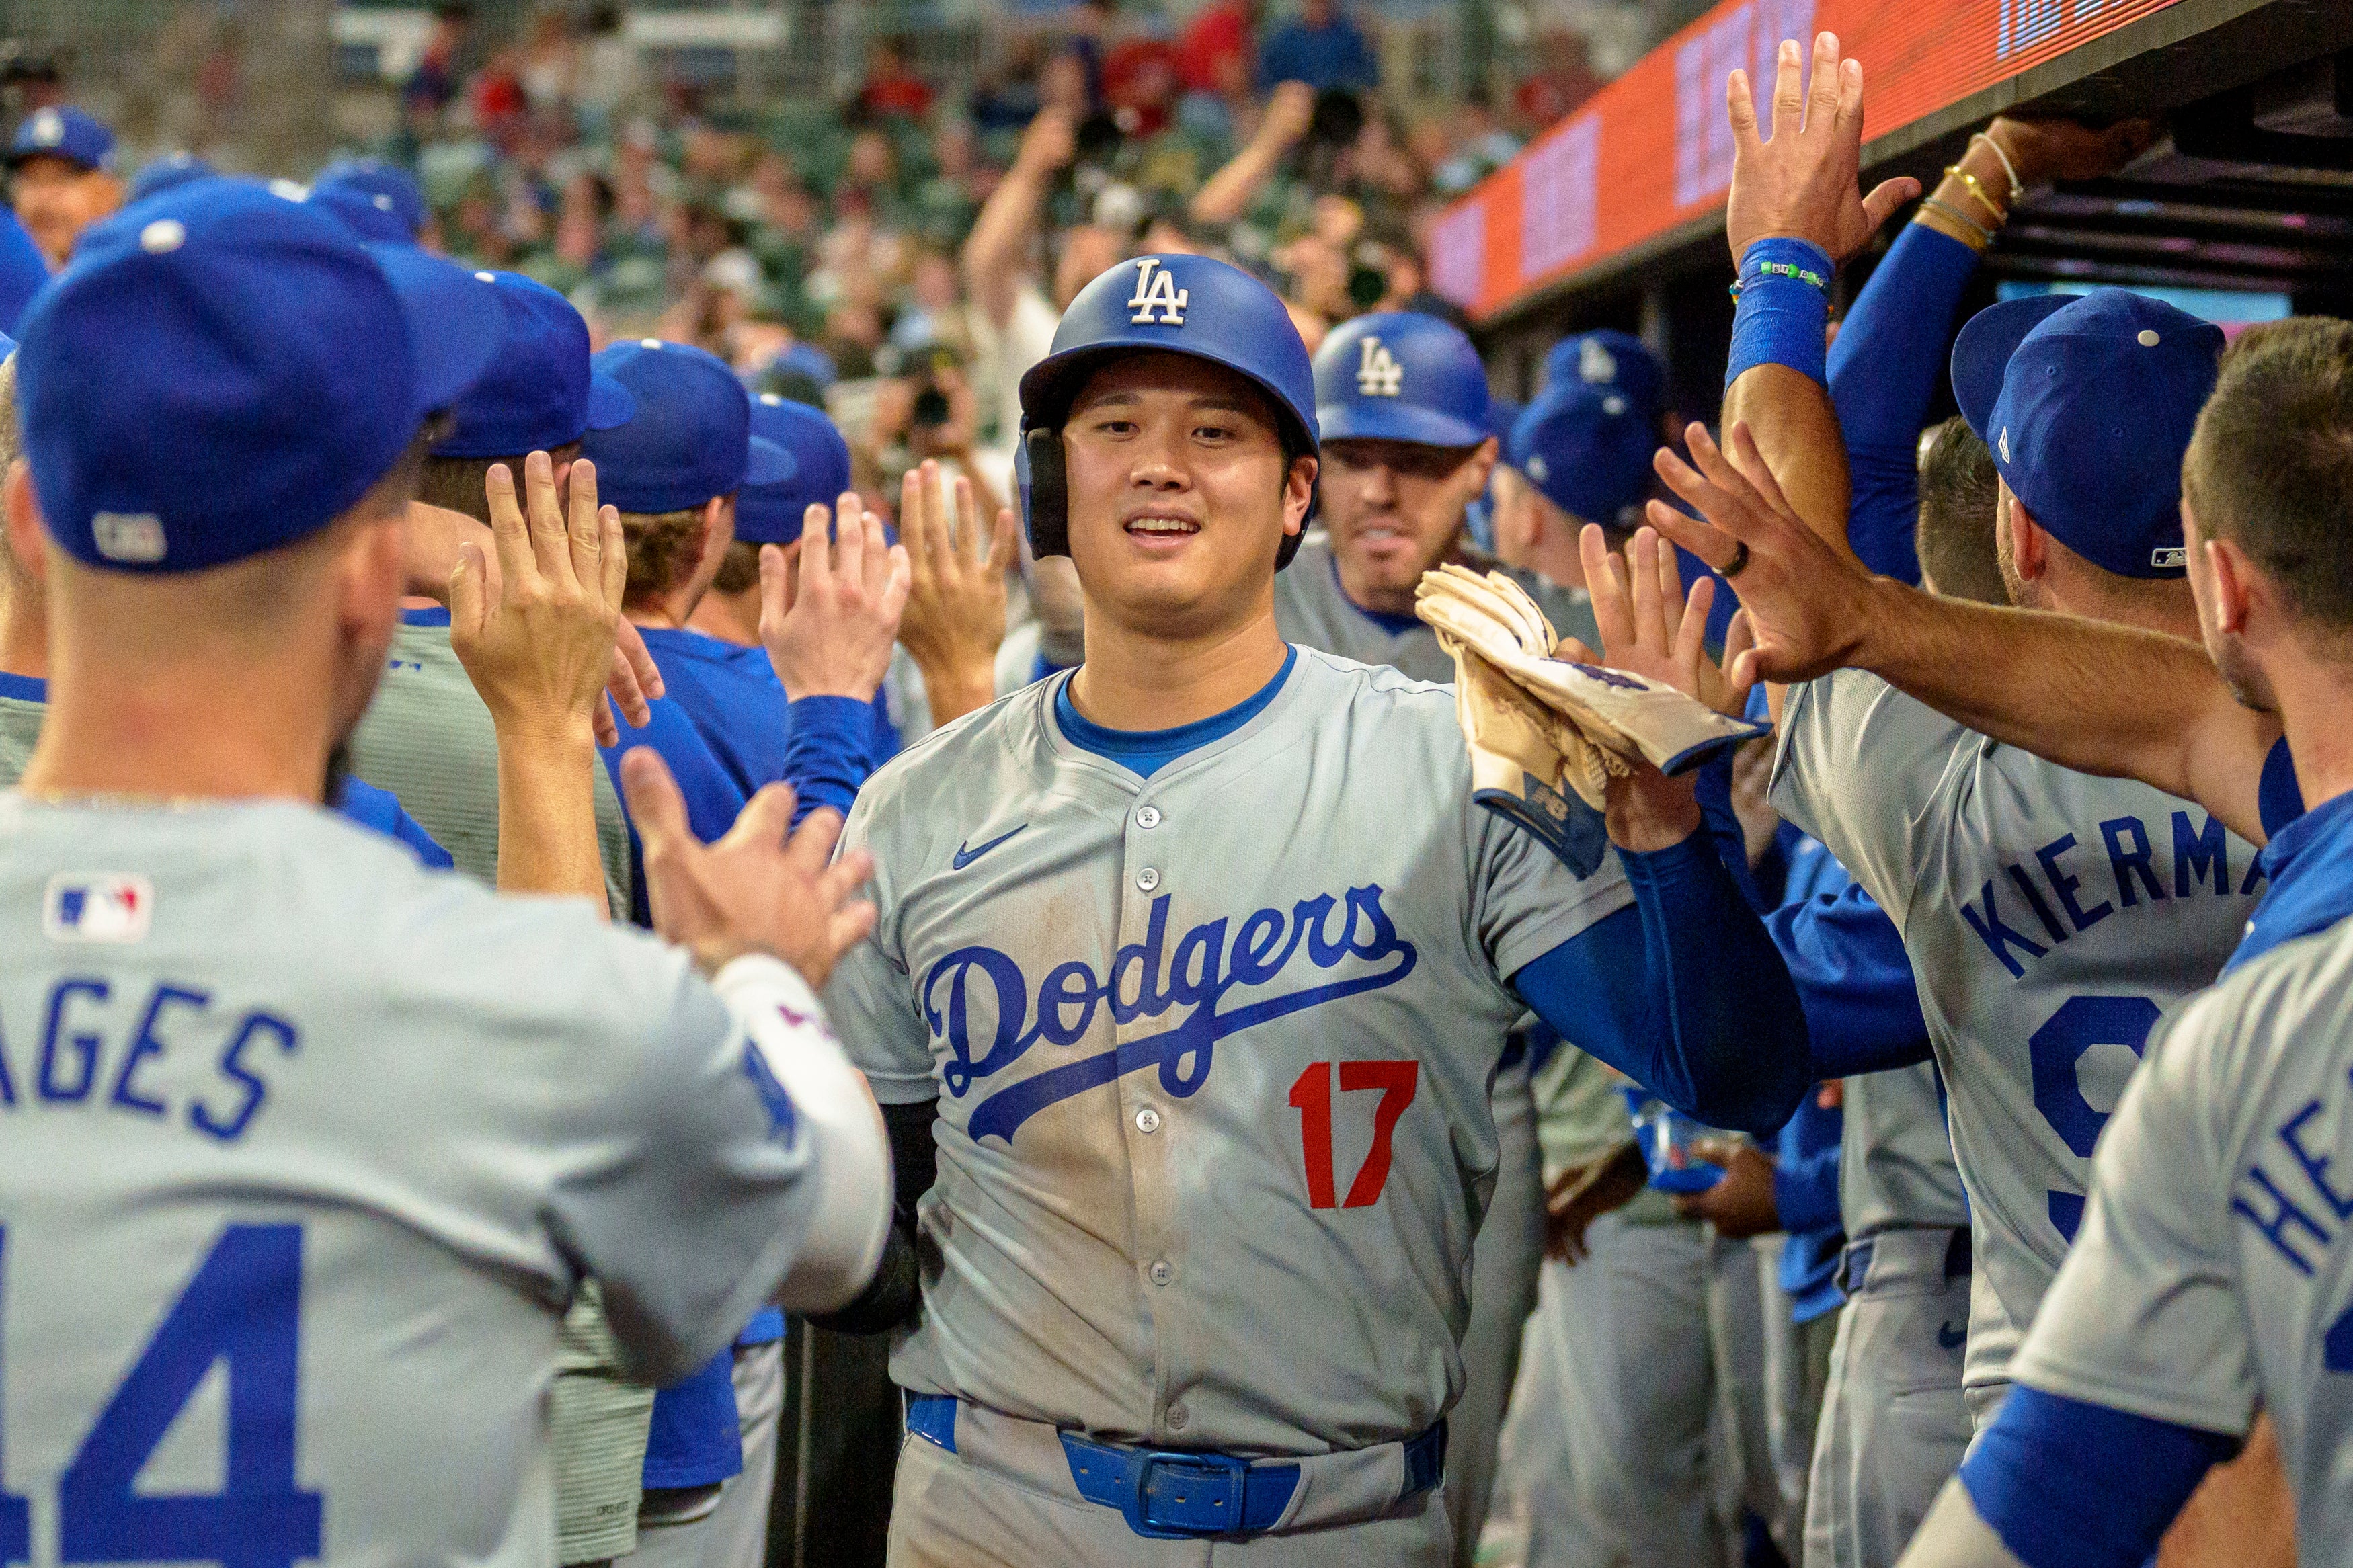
(1313, 1095)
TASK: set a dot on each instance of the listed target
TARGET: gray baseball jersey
(20, 732)
(278, 1099)
(2051, 917)
(1210, 1067)
(1310, 609)
(427, 740)
(2211, 1274)
(1895, 1162)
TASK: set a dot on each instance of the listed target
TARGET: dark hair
(1958, 488)
(2271, 462)
(456, 484)
(739, 568)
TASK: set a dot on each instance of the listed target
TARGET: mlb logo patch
(107, 905)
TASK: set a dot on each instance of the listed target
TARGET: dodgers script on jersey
(1212, 1053)
(2211, 1275)
(302, 1152)
(1310, 609)
(2050, 918)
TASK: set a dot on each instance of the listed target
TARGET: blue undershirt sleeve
(1806, 1191)
(1684, 993)
(2069, 1484)
(1883, 372)
(2279, 798)
(1854, 981)
(828, 753)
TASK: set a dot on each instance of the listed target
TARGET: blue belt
(1183, 1494)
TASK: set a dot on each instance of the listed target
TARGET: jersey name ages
(2041, 900)
(1204, 967)
(135, 1049)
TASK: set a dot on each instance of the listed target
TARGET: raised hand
(955, 618)
(1648, 627)
(828, 628)
(1804, 599)
(755, 890)
(1797, 179)
(536, 638)
(2045, 149)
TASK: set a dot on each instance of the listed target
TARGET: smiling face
(1179, 495)
(1394, 510)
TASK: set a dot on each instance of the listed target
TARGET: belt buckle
(1222, 1472)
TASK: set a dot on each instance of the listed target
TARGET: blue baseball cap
(402, 197)
(171, 169)
(1503, 413)
(2088, 402)
(1587, 449)
(1617, 361)
(541, 391)
(1400, 375)
(66, 132)
(370, 218)
(278, 369)
(771, 514)
(688, 438)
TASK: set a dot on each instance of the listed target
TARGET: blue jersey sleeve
(2069, 1484)
(1854, 980)
(829, 753)
(1806, 1185)
(371, 807)
(1883, 372)
(1684, 994)
(22, 270)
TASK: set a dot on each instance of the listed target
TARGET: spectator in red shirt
(891, 85)
(1220, 32)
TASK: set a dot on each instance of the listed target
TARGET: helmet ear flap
(1045, 497)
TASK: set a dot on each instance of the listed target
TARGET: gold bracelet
(1953, 215)
(1976, 189)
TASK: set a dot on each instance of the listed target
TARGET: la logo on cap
(1538, 470)
(1595, 364)
(1156, 290)
(1379, 375)
(132, 536)
(49, 128)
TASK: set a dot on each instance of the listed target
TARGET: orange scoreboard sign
(1652, 149)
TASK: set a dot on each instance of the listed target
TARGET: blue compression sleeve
(1806, 1191)
(1684, 994)
(1854, 981)
(827, 752)
(1884, 370)
(2069, 1484)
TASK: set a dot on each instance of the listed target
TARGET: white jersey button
(1148, 879)
(1161, 1271)
(1147, 1121)
(1177, 1416)
(1147, 816)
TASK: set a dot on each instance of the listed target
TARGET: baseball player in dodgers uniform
(1191, 974)
(1401, 403)
(277, 1100)
(2212, 1275)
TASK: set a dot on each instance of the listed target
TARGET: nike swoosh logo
(1951, 1338)
(965, 857)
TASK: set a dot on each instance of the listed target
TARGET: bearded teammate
(1401, 403)
(289, 1101)
(1232, 1078)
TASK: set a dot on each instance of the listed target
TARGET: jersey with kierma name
(2213, 1274)
(303, 1150)
(2050, 918)
(1211, 1051)
(1311, 609)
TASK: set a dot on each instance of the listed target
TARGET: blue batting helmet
(1615, 360)
(1399, 376)
(1178, 304)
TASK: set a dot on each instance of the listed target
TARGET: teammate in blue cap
(2089, 404)
(61, 178)
(172, 169)
(385, 189)
(675, 467)
(318, 1101)
(1583, 447)
(1207, 1100)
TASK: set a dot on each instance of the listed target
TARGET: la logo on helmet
(1379, 375)
(1156, 290)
